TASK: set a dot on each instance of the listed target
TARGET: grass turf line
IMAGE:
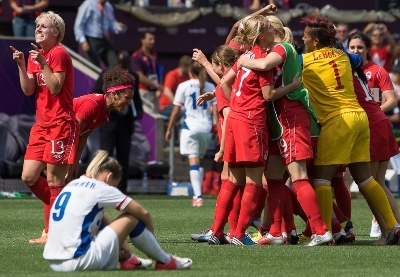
(175, 220)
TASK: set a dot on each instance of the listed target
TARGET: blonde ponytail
(102, 162)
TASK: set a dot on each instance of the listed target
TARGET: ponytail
(288, 35)
(102, 162)
(198, 71)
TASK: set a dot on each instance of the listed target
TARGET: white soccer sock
(148, 244)
(201, 176)
(195, 180)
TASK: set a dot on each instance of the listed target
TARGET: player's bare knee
(28, 179)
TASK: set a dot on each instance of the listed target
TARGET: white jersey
(198, 119)
(76, 216)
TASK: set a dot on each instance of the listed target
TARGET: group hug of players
(306, 116)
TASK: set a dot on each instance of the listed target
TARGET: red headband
(233, 44)
(119, 87)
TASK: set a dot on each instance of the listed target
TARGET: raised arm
(270, 61)
(269, 9)
(199, 57)
(227, 82)
(26, 80)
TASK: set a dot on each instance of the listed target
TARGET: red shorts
(54, 145)
(310, 162)
(383, 143)
(245, 142)
(295, 143)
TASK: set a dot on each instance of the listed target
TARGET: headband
(119, 87)
(233, 44)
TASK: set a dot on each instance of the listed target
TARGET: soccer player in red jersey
(290, 145)
(246, 146)
(222, 59)
(92, 110)
(54, 137)
(376, 98)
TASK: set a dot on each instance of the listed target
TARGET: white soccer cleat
(321, 239)
(375, 230)
(271, 240)
(202, 237)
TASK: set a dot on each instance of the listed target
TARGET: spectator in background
(396, 54)
(342, 33)
(395, 77)
(382, 54)
(116, 134)
(257, 4)
(394, 118)
(93, 26)
(394, 115)
(172, 79)
(25, 13)
(144, 63)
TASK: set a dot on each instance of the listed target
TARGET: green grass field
(175, 220)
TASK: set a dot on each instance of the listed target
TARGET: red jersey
(378, 79)
(382, 57)
(222, 102)
(91, 110)
(366, 101)
(172, 80)
(284, 106)
(51, 109)
(247, 102)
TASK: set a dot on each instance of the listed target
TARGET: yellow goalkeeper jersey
(327, 75)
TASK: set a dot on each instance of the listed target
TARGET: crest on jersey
(368, 74)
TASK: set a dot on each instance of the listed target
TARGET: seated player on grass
(81, 237)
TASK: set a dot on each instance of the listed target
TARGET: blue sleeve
(355, 60)
(112, 24)
(80, 21)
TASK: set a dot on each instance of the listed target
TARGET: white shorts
(103, 254)
(194, 144)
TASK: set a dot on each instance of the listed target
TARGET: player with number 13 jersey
(55, 118)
